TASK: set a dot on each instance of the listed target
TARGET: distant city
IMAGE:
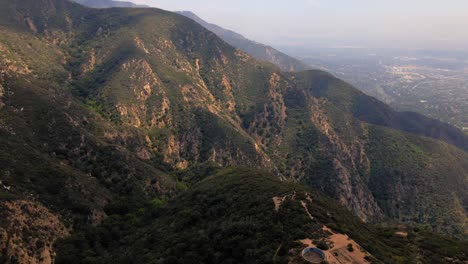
(433, 83)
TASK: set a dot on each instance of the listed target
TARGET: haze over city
(416, 24)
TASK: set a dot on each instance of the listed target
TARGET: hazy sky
(381, 23)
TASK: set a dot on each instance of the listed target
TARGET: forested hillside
(105, 110)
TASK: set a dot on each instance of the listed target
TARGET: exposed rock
(141, 45)
(10, 67)
(2, 93)
(244, 57)
(153, 108)
(182, 165)
(197, 65)
(199, 96)
(278, 201)
(231, 103)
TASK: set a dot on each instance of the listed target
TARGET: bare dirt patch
(343, 250)
(312, 257)
(401, 234)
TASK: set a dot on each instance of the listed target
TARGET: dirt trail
(342, 249)
(304, 204)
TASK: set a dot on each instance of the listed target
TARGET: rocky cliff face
(98, 108)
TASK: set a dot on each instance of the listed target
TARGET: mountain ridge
(258, 50)
(107, 3)
(110, 112)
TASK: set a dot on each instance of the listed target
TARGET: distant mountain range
(258, 50)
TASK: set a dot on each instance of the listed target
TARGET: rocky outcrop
(231, 102)
(10, 67)
(140, 44)
(144, 87)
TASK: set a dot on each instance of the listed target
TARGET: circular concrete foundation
(313, 255)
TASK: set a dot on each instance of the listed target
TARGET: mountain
(106, 3)
(257, 50)
(104, 112)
